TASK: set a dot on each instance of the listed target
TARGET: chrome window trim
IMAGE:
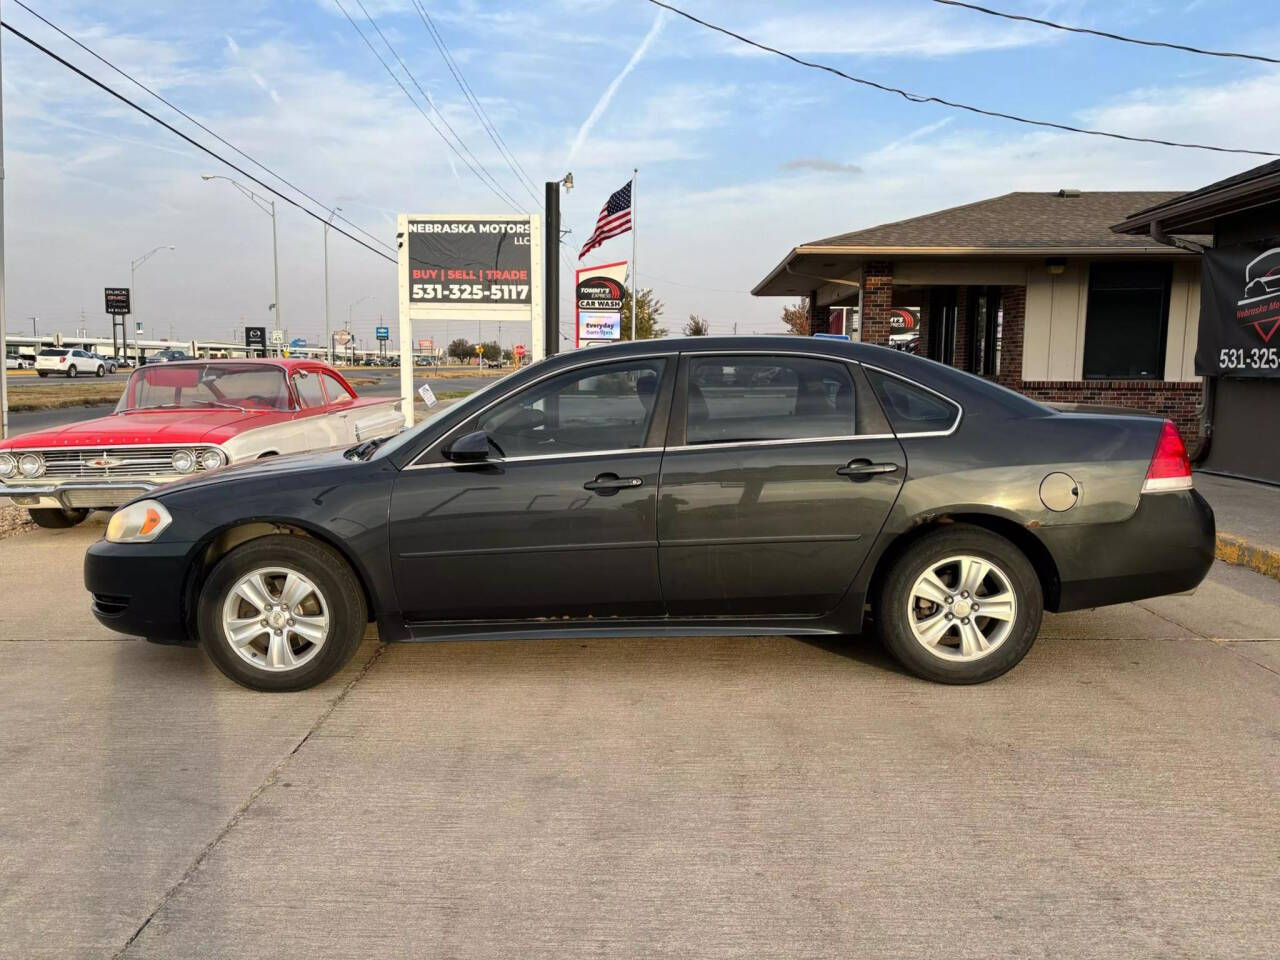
(775, 443)
(535, 456)
(955, 424)
(418, 465)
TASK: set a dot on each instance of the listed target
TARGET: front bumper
(1166, 547)
(75, 495)
(138, 588)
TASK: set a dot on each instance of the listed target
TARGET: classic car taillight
(1170, 467)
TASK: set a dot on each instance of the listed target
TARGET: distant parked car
(176, 420)
(69, 362)
(167, 356)
(111, 363)
(18, 363)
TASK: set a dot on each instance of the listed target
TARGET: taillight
(62, 359)
(1170, 467)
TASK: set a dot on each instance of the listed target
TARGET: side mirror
(472, 448)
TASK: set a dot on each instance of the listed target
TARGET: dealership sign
(598, 299)
(382, 333)
(118, 301)
(469, 261)
(342, 337)
(1240, 312)
(255, 337)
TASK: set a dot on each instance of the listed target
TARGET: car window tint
(336, 391)
(912, 409)
(310, 393)
(735, 399)
(604, 407)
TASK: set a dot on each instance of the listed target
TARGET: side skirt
(620, 627)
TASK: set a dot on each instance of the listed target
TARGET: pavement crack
(1170, 620)
(243, 809)
(1228, 644)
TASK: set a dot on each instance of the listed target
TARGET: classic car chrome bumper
(72, 494)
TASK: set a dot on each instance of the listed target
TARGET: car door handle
(611, 481)
(865, 469)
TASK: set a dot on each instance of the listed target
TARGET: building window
(1126, 321)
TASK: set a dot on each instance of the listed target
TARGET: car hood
(161, 426)
(282, 466)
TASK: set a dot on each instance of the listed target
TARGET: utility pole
(327, 332)
(4, 333)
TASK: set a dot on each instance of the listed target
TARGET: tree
(492, 351)
(646, 319)
(697, 327)
(797, 318)
(461, 350)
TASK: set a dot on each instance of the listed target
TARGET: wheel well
(228, 538)
(1022, 538)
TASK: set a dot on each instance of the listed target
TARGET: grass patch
(23, 399)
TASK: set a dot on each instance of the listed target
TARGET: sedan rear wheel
(961, 605)
(281, 613)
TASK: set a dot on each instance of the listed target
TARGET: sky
(741, 155)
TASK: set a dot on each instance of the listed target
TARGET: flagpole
(635, 277)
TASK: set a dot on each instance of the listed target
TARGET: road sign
(277, 337)
(285, 352)
(118, 301)
(298, 342)
(518, 350)
(342, 337)
(382, 333)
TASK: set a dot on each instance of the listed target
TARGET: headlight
(31, 465)
(211, 459)
(8, 465)
(184, 461)
(139, 522)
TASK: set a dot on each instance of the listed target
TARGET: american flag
(614, 219)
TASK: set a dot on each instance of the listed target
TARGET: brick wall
(819, 317)
(877, 301)
(963, 336)
(1164, 398)
(1013, 301)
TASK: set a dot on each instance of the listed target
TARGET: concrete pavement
(1111, 797)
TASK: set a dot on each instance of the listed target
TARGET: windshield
(200, 385)
(407, 436)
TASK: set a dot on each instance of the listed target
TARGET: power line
(489, 127)
(195, 143)
(426, 116)
(172, 106)
(922, 98)
(430, 102)
(1108, 36)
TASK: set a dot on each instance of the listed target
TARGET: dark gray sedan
(701, 486)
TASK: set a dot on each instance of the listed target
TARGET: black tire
(71, 370)
(894, 606)
(43, 373)
(330, 573)
(55, 519)
(102, 371)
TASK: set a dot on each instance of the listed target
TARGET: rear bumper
(94, 494)
(137, 589)
(1167, 546)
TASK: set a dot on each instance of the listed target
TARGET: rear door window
(746, 398)
(911, 408)
(310, 393)
(336, 391)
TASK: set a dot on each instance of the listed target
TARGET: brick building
(1033, 290)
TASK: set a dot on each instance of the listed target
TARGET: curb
(1238, 551)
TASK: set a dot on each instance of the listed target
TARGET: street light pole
(268, 207)
(133, 269)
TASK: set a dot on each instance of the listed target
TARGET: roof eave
(1193, 213)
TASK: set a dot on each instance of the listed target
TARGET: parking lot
(1113, 796)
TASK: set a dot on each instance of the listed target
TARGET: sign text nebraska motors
(469, 261)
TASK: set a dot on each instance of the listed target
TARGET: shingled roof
(1035, 221)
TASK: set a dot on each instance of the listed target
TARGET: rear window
(54, 353)
(911, 408)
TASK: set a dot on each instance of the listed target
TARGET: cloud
(820, 165)
(254, 75)
(607, 97)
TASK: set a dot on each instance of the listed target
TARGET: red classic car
(179, 419)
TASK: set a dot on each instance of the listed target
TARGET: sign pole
(4, 333)
(551, 267)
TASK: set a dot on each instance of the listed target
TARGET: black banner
(118, 301)
(469, 261)
(255, 337)
(1240, 312)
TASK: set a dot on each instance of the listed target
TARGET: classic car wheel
(54, 519)
(281, 613)
(961, 605)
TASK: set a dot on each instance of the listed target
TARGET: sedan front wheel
(961, 605)
(281, 613)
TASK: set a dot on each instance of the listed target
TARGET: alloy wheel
(275, 618)
(962, 608)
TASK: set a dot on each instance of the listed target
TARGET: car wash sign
(1240, 312)
(599, 293)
